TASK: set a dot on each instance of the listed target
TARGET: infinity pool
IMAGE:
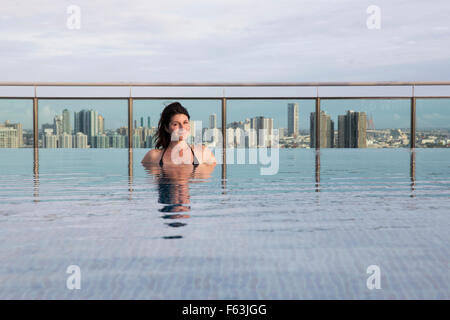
(308, 232)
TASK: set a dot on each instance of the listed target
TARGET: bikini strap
(161, 160)
(195, 161)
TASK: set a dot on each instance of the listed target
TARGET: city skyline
(433, 113)
(352, 130)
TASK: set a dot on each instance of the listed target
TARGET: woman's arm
(208, 156)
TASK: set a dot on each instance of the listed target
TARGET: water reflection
(173, 189)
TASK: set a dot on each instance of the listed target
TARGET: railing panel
(83, 123)
(432, 123)
(365, 123)
(16, 123)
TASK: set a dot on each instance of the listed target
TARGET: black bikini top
(194, 162)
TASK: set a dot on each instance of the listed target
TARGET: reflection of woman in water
(174, 162)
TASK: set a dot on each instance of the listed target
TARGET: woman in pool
(171, 140)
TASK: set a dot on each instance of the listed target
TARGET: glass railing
(233, 123)
(371, 119)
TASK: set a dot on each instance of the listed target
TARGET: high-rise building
(86, 121)
(142, 122)
(136, 141)
(66, 124)
(195, 132)
(264, 130)
(50, 141)
(65, 140)
(101, 124)
(13, 139)
(148, 123)
(58, 125)
(101, 141)
(80, 140)
(213, 121)
(293, 120)
(352, 130)
(326, 130)
(8, 137)
(149, 142)
(118, 141)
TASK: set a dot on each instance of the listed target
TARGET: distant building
(66, 124)
(136, 141)
(101, 141)
(326, 130)
(101, 124)
(86, 122)
(213, 121)
(50, 141)
(65, 140)
(149, 142)
(80, 140)
(293, 120)
(118, 141)
(352, 130)
(8, 137)
(58, 125)
(11, 135)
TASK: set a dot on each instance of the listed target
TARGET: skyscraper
(8, 137)
(86, 121)
(264, 130)
(293, 119)
(148, 123)
(142, 122)
(66, 124)
(352, 130)
(212, 121)
(11, 138)
(65, 140)
(101, 124)
(80, 140)
(326, 130)
(58, 125)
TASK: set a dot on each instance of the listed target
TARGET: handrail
(224, 84)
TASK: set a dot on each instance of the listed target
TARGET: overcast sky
(232, 40)
(210, 40)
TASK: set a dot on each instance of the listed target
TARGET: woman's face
(179, 127)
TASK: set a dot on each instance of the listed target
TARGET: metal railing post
(317, 124)
(35, 121)
(413, 122)
(130, 122)
(224, 129)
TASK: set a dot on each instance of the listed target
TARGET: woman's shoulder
(152, 156)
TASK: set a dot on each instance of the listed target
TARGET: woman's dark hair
(162, 136)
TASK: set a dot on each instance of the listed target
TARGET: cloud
(232, 40)
(46, 114)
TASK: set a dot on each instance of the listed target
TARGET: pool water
(226, 232)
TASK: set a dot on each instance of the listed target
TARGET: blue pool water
(308, 232)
